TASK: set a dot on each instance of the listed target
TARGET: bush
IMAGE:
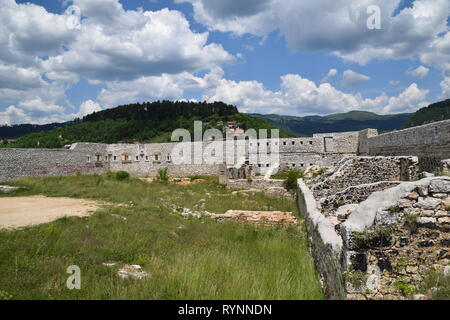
(291, 181)
(122, 175)
(162, 177)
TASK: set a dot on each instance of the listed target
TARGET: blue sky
(266, 56)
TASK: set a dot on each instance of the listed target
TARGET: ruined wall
(325, 244)
(430, 143)
(365, 170)
(18, 163)
(396, 237)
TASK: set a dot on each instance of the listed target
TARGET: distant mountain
(435, 112)
(18, 130)
(342, 122)
(143, 122)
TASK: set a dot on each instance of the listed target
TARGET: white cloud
(331, 73)
(88, 107)
(419, 72)
(394, 83)
(351, 78)
(135, 44)
(300, 96)
(339, 27)
(445, 86)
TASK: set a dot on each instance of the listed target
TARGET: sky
(63, 59)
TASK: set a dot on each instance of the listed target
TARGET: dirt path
(18, 212)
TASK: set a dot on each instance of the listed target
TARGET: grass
(186, 259)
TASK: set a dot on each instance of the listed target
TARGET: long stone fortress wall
(431, 143)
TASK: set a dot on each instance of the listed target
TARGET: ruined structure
(430, 143)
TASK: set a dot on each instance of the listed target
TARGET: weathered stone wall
(430, 143)
(82, 158)
(396, 237)
(325, 244)
(365, 170)
(255, 183)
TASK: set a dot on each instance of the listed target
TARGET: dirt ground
(16, 212)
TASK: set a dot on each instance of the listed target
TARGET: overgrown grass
(186, 259)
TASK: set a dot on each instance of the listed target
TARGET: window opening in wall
(293, 142)
(137, 158)
(115, 158)
(146, 158)
(284, 143)
(88, 159)
(156, 157)
(99, 158)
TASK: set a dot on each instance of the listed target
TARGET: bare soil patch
(16, 212)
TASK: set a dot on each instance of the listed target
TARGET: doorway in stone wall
(328, 143)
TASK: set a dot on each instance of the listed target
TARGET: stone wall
(325, 244)
(82, 158)
(366, 170)
(396, 237)
(255, 183)
(430, 143)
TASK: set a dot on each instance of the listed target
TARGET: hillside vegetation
(342, 122)
(435, 112)
(143, 122)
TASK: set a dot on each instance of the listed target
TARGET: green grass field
(186, 258)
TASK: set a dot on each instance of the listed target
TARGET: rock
(428, 203)
(440, 213)
(440, 195)
(133, 271)
(420, 297)
(426, 220)
(440, 186)
(444, 220)
(109, 264)
(343, 212)
(6, 189)
(412, 269)
(386, 218)
(447, 271)
(405, 203)
(446, 203)
(427, 213)
(422, 190)
(413, 196)
(424, 175)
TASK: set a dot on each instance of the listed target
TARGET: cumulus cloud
(351, 78)
(135, 44)
(301, 96)
(42, 55)
(419, 72)
(88, 107)
(342, 26)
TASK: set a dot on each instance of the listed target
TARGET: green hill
(435, 112)
(143, 122)
(342, 122)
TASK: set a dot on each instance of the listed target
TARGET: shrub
(122, 175)
(162, 177)
(291, 181)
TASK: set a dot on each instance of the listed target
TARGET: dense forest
(143, 122)
(435, 112)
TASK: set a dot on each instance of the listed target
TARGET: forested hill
(143, 122)
(342, 122)
(435, 112)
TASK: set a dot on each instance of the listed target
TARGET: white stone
(426, 220)
(428, 203)
(440, 186)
